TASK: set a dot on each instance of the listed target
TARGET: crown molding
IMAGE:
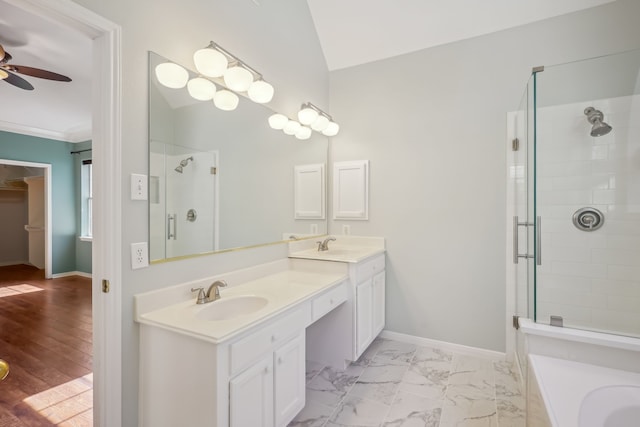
(79, 135)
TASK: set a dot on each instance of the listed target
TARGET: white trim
(77, 136)
(85, 238)
(71, 273)
(48, 223)
(457, 348)
(107, 239)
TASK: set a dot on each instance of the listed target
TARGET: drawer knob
(331, 301)
(279, 360)
(273, 338)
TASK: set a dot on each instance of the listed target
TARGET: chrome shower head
(595, 117)
(183, 163)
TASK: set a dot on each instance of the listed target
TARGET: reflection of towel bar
(31, 228)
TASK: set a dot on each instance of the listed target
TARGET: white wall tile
(578, 269)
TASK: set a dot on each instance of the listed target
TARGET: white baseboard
(7, 263)
(456, 348)
(71, 273)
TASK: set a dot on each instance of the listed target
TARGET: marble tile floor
(396, 384)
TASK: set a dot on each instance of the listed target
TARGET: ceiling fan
(7, 72)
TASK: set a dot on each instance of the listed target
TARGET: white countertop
(282, 290)
(349, 254)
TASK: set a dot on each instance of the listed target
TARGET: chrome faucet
(324, 245)
(205, 297)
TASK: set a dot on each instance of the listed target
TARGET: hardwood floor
(46, 337)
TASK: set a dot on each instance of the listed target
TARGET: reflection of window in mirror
(86, 198)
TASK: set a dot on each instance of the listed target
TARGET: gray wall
(277, 38)
(433, 124)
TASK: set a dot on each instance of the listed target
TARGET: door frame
(47, 208)
(107, 176)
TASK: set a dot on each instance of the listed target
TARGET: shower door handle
(539, 241)
(172, 232)
(517, 224)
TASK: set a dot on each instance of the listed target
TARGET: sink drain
(588, 219)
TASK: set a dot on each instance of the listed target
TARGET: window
(86, 192)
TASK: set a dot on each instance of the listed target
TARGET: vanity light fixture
(319, 121)
(201, 89)
(3, 74)
(215, 61)
(226, 100)
(172, 75)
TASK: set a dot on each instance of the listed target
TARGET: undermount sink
(231, 307)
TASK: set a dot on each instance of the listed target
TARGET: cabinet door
(289, 378)
(251, 396)
(378, 303)
(364, 326)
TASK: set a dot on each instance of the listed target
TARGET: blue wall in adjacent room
(64, 198)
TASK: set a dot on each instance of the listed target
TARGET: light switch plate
(346, 229)
(139, 189)
(139, 255)
(313, 229)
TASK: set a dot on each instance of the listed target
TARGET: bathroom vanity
(240, 361)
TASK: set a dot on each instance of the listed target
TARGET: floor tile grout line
(395, 395)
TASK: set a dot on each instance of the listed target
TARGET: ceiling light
(201, 89)
(172, 75)
(277, 121)
(332, 129)
(238, 78)
(210, 61)
(226, 100)
(260, 92)
(320, 123)
(291, 127)
(307, 114)
(303, 133)
(3, 74)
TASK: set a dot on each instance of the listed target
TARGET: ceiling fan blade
(37, 72)
(17, 81)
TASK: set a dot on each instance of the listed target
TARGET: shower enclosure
(574, 197)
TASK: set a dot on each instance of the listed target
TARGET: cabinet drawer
(262, 340)
(328, 301)
(370, 268)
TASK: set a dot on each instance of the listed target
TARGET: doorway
(107, 219)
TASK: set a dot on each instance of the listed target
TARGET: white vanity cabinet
(370, 302)
(343, 335)
(271, 391)
(252, 378)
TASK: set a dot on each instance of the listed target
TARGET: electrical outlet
(313, 229)
(138, 187)
(346, 229)
(139, 255)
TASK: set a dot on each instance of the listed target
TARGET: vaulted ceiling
(351, 32)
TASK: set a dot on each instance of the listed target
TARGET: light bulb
(3, 74)
(210, 62)
(201, 89)
(260, 92)
(238, 78)
(320, 124)
(303, 133)
(291, 127)
(277, 121)
(332, 129)
(307, 115)
(172, 75)
(226, 100)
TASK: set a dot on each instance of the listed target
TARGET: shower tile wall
(591, 279)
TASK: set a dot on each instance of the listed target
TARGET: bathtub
(579, 378)
(578, 394)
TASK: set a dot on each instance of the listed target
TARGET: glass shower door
(588, 193)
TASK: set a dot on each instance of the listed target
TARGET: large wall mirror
(220, 180)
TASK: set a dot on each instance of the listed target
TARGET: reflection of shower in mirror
(183, 163)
